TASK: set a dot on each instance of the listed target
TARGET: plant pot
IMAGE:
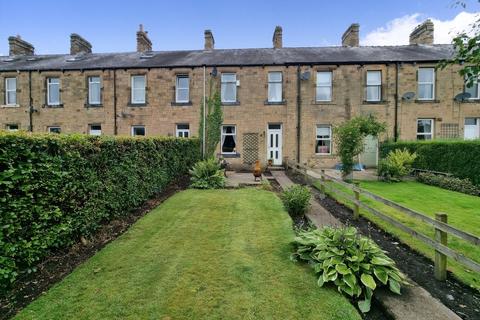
(270, 162)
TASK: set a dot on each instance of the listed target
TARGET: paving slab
(238, 179)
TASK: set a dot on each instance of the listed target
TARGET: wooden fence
(442, 228)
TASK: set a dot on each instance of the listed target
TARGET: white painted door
(472, 128)
(274, 143)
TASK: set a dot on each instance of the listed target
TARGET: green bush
(396, 165)
(296, 200)
(56, 188)
(449, 183)
(460, 158)
(207, 174)
(355, 264)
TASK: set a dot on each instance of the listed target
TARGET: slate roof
(230, 57)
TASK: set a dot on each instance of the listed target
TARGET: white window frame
(50, 128)
(93, 132)
(275, 82)
(138, 126)
(178, 88)
(477, 84)
(225, 83)
(477, 125)
(431, 133)
(374, 84)
(49, 84)
(426, 83)
(182, 132)
(7, 102)
(234, 134)
(330, 86)
(141, 90)
(12, 124)
(90, 85)
(323, 139)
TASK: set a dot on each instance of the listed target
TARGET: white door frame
(275, 147)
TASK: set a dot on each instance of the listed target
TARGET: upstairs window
(229, 139)
(10, 91)
(229, 87)
(374, 85)
(473, 90)
(138, 131)
(54, 129)
(95, 130)
(182, 91)
(324, 139)
(424, 129)
(274, 87)
(426, 84)
(94, 89)
(324, 86)
(183, 130)
(138, 89)
(53, 91)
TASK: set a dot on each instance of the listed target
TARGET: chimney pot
(351, 36)
(277, 38)
(20, 47)
(423, 33)
(143, 42)
(79, 44)
(209, 40)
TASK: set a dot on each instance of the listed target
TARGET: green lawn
(200, 255)
(463, 212)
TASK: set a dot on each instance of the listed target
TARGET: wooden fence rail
(442, 228)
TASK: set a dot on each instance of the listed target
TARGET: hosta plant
(207, 174)
(355, 264)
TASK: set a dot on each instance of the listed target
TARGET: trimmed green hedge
(56, 188)
(461, 158)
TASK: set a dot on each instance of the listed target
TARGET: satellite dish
(408, 96)
(462, 96)
(305, 75)
(214, 72)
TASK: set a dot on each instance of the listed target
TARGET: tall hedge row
(460, 158)
(56, 188)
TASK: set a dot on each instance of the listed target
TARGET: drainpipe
(30, 102)
(299, 109)
(204, 115)
(395, 125)
(115, 129)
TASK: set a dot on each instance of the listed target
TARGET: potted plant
(270, 162)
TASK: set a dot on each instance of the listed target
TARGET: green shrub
(207, 174)
(459, 158)
(296, 199)
(56, 188)
(449, 183)
(265, 185)
(396, 165)
(355, 264)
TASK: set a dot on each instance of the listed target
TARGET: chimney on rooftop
(143, 42)
(350, 37)
(20, 47)
(423, 33)
(209, 40)
(79, 44)
(277, 38)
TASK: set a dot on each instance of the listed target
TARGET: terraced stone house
(278, 102)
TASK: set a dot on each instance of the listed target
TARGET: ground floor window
(54, 129)
(472, 128)
(324, 139)
(424, 129)
(183, 130)
(95, 129)
(12, 127)
(229, 139)
(138, 131)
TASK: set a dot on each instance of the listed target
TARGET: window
(183, 130)
(324, 139)
(426, 84)
(229, 87)
(473, 90)
(472, 128)
(54, 129)
(138, 89)
(12, 127)
(274, 87)
(53, 91)
(424, 129)
(229, 139)
(374, 85)
(94, 89)
(95, 129)
(10, 91)
(324, 86)
(182, 89)
(138, 131)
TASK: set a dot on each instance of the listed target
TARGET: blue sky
(174, 25)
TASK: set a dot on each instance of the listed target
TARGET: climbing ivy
(214, 120)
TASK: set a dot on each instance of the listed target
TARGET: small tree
(214, 120)
(350, 139)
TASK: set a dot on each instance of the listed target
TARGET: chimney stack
(209, 40)
(277, 38)
(143, 42)
(20, 47)
(423, 33)
(350, 37)
(79, 44)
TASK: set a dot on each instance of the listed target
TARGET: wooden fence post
(440, 258)
(356, 207)
(322, 178)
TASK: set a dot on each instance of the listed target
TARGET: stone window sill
(235, 103)
(10, 106)
(137, 105)
(375, 102)
(181, 104)
(53, 106)
(229, 155)
(93, 106)
(275, 103)
(427, 101)
(470, 101)
(324, 103)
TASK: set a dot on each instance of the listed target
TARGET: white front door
(274, 143)
(472, 128)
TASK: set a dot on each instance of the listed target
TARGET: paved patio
(239, 179)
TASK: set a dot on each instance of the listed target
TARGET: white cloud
(397, 31)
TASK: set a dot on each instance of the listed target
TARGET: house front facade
(278, 102)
